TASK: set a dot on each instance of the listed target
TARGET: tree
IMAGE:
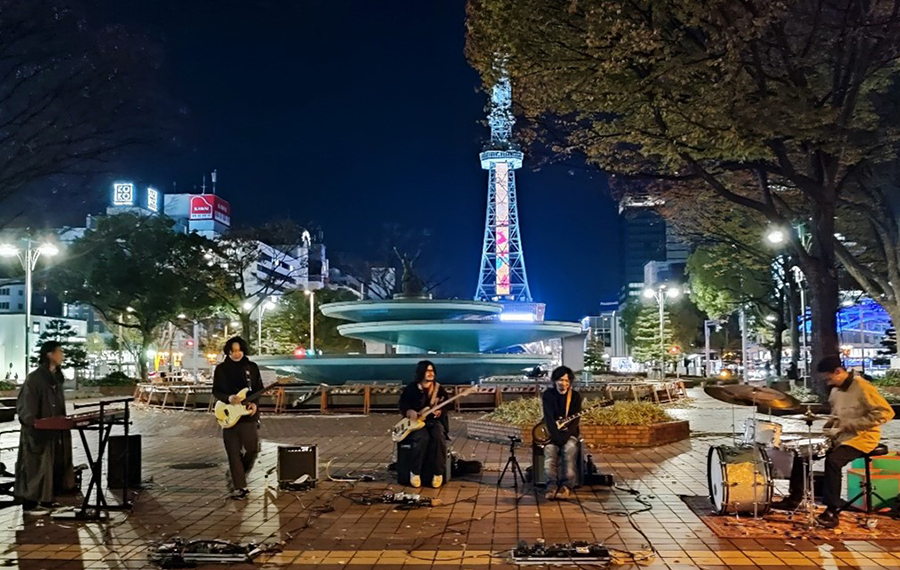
(62, 332)
(137, 273)
(889, 344)
(288, 324)
(782, 94)
(595, 357)
(241, 287)
(646, 347)
(73, 94)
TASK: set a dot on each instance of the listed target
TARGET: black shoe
(829, 519)
(240, 494)
(787, 504)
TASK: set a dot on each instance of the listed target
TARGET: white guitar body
(228, 414)
(406, 426)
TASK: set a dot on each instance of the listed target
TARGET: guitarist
(559, 402)
(429, 444)
(234, 374)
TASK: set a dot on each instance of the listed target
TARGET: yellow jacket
(860, 411)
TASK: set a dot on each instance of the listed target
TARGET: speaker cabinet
(115, 462)
(296, 461)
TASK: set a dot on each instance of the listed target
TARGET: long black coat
(44, 467)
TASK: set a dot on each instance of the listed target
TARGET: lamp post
(270, 304)
(659, 294)
(29, 258)
(777, 236)
(706, 324)
(312, 322)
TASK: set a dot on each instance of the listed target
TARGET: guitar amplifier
(115, 461)
(297, 461)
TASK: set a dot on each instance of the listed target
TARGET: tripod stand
(514, 463)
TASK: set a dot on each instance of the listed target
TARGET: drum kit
(741, 476)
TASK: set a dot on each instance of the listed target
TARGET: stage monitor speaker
(115, 461)
(296, 461)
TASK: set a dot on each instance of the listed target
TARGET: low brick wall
(594, 436)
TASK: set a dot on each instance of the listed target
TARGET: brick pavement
(476, 523)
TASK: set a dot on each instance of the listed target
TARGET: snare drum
(761, 432)
(801, 446)
(738, 478)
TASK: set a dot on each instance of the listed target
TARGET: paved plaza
(474, 527)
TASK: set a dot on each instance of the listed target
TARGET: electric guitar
(540, 434)
(406, 426)
(228, 414)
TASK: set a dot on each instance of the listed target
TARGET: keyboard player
(44, 466)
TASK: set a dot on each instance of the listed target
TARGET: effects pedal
(302, 483)
(575, 552)
(406, 499)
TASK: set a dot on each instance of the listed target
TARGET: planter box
(594, 436)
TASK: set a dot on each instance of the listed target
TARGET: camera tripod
(514, 463)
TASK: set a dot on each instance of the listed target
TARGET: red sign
(210, 207)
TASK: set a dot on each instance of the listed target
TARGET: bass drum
(731, 473)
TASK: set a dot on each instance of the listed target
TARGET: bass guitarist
(429, 444)
(561, 401)
(234, 374)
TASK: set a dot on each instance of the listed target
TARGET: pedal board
(408, 499)
(302, 483)
(576, 553)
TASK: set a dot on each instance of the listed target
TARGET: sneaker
(551, 493)
(35, 509)
(564, 494)
(240, 494)
(829, 519)
(787, 504)
(415, 480)
(437, 481)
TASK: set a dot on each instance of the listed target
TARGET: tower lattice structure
(502, 276)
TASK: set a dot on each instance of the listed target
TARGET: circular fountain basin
(451, 368)
(458, 335)
(410, 310)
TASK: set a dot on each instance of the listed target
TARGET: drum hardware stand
(514, 463)
(809, 499)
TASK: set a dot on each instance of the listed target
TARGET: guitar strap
(568, 402)
(433, 394)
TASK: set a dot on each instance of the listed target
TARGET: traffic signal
(300, 352)
(674, 350)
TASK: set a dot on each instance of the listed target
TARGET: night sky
(356, 114)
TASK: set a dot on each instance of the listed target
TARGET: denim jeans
(551, 463)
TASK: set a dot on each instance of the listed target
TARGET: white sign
(123, 194)
(152, 200)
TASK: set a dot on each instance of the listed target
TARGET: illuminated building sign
(123, 194)
(210, 207)
(152, 200)
(501, 229)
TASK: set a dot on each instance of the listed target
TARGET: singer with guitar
(234, 374)
(561, 401)
(429, 443)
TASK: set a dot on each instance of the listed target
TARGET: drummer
(858, 410)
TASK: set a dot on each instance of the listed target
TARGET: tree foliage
(288, 324)
(136, 273)
(62, 332)
(595, 354)
(646, 347)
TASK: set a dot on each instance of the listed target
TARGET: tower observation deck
(502, 276)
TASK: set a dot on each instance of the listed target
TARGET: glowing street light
(659, 294)
(775, 236)
(312, 322)
(29, 258)
(263, 307)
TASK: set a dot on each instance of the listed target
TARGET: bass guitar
(540, 434)
(228, 414)
(406, 426)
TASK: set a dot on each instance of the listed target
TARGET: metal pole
(661, 300)
(706, 338)
(196, 369)
(744, 362)
(862, 337)
(312, 321)
(803, 347)
(29, 266)
(259, 312)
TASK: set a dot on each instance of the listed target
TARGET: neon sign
(501, 229)
(123, 194)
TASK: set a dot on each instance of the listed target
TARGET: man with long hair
(44, 467)
(234, 374)
(429, 444)
(561, 401)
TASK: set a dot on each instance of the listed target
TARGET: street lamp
(29, 258)
(270, 304)
(312, 322)
(659, 294)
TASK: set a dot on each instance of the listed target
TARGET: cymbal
(746, 395)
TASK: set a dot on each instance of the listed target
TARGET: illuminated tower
(502, 276)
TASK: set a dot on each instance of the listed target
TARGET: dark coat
(554, 405)
(44, 467)
(231, 377)
(414, 398)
